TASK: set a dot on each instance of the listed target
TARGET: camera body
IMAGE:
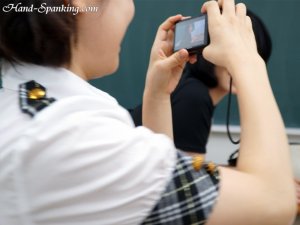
(191, 34)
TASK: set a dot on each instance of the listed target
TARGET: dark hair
(204, 70)
(33, 37)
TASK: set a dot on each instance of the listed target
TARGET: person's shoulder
(190, 83)
(83, 107)
(82, 121)
(84, 146)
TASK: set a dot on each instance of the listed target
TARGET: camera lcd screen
(191, 34)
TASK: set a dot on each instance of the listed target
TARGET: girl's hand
(232, 40)
(164, 72)
(165, 67)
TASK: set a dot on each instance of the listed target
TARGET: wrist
(157, 113)
(249, 65)
(156, 96)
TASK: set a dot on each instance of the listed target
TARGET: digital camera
(191, 34)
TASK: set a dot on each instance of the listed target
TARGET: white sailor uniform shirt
(78, 161)
(81, 161)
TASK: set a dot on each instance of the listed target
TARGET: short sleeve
(190, 195)
(192, 110)
(91, 166)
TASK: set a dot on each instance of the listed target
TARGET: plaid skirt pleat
(189, 197)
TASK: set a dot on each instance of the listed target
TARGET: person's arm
(163, 75)
(261, 191)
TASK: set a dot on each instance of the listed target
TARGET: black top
(192, 110)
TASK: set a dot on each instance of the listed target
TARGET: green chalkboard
(282, 17)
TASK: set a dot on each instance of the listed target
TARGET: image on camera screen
(190, 34)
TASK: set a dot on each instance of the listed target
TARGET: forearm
(264, 146)
(164, 72)
(157, 113)
(261, 190)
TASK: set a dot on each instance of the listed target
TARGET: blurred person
(200, 89)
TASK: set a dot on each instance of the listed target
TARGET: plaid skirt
(189, 196)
